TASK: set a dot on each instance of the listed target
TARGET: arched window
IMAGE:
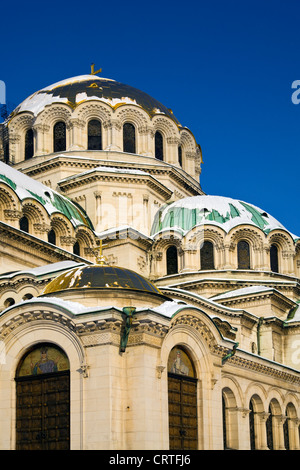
(76, 249)
(182, 393)
(243, 253)
(172, 260)
(180, 155)
(159, 146)
(43, 399)
(9, 302)
(129, 138)
(269, 429)
(59, 137)
(24, 224)
(29, 144)
(207, 256)
(274, 258)
(52, 237)
(94, 135)
(252, 426)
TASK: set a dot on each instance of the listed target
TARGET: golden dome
(100, 277)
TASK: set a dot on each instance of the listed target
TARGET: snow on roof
(243, 291)
(42, 270)
(28, 188)
(38, 100)
(225, 212)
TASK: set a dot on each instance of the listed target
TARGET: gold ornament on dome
(93, 71)
(101, 260)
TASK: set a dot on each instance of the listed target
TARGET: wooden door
(43, 412)
(182, 412)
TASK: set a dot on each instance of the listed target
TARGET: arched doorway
(182, 396)
(43, 399)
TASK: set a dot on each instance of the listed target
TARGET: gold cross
(100, 259)
(93, 72)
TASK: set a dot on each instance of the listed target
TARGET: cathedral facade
(136, 311)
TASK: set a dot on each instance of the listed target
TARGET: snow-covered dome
(76, 90)
(224, 212)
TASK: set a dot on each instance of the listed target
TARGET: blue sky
(225, 68)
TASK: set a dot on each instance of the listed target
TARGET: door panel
(182, 412)
(43, 412)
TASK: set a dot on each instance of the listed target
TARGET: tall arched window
(207, 256)
(269, 429)
(28, 144)
(76, 249)
(129, 138)
(274, 258)
(24, 224)
(172, 260)
(159, 146)
(180, 155)
(243, 254)
(52, 237)
(252, 426)
(182, 392)
(94, 135)
(59, 137)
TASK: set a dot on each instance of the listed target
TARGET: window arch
(207, 256)
(159, 145)
(252, 426)
(24, 224)
(9, 302)
(180, 155)
(269, 429)
(28, 144)
(52, 237)
(172, 260)
(76, 249)
(129, 138)
(274, 258)
(182, 393)
(243, 254)
(94, 135)
(59, 137)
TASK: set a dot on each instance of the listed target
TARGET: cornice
(107, 330)
(86, 179)
(68, 159)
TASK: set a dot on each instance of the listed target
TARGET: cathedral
(137, 312)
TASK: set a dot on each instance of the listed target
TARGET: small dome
(76, 90)
(100, 277)
(185, 214)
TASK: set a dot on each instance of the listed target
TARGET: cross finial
(93, 71)
(100, 259)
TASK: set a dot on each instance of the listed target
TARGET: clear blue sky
(225, 68)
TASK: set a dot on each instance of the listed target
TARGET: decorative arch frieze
(134, 115)
(93, 110)
(196, 237)
(282, 239)
(54, 113)
(254, 237)
(166, 126)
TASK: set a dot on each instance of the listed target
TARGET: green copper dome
(27, 188)
(75, 90)
(100, 277)
(185, 214)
